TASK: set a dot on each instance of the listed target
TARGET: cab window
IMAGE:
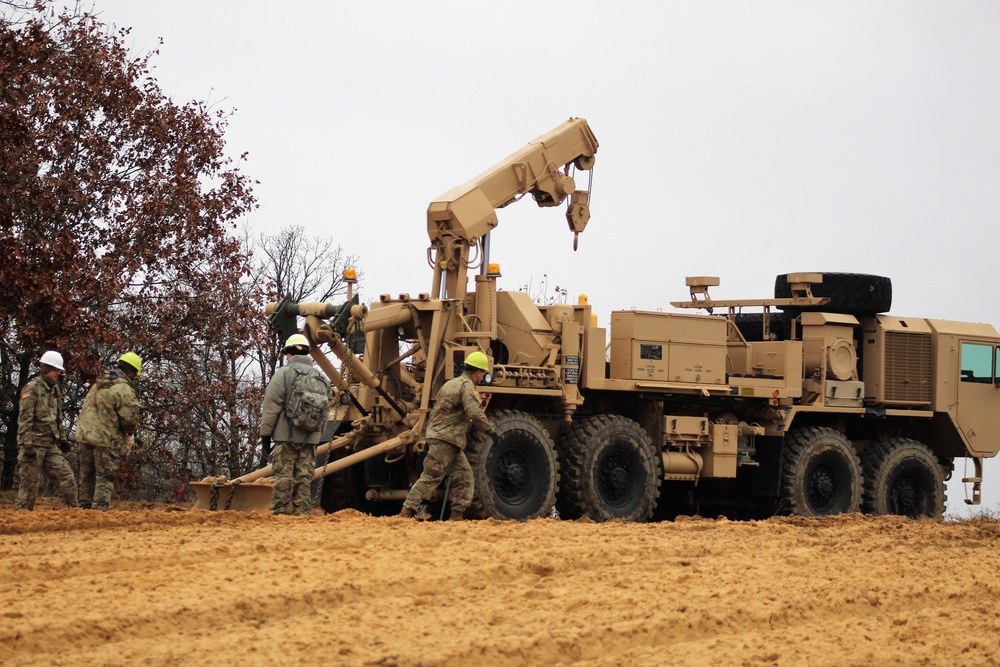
(977, 363)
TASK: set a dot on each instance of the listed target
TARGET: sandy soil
(162, 587)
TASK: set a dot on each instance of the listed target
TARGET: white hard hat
(52, 358)
(297, 341)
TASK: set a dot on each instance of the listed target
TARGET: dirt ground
(161, 587)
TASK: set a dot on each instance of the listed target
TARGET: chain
(347, 371)
(232, 493)
(965, 475)
(213, 498)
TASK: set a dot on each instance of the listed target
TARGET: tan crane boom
(462, 216)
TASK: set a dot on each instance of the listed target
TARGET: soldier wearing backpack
(296, 405)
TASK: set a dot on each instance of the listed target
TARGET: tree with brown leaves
(117, 210)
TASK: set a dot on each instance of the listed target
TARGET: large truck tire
(518, 477)
(903, 477)
(849, 293)
(751, 325)
(611, 470)
(820, 473)
(344, 489)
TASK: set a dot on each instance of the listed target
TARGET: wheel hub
(516, 473)
(907, 500)
(615, 478)
(822, 485)
(510, 475)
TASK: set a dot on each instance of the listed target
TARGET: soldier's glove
(65, 445)
(265, 441)
(495, 437)
(128, 444)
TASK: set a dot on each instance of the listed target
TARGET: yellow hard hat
(478, 360)
(297, 341)
(133, 360)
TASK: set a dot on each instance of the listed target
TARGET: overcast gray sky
(738, 139)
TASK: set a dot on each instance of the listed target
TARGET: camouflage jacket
(110, 412)
(273, 420)
(456, 405)
(39, 420)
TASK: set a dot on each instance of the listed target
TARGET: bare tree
(303, 268)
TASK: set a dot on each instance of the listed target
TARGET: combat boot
(457, 515)
(407, 512)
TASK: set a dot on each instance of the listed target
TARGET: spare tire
(849, 293)
(751, 325)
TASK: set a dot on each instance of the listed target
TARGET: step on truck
(813, 401)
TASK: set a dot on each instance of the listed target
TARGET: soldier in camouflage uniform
(108, 420)
(294, 448)
(40, 437)
(457, 404)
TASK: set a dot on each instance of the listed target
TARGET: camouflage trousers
(293, 470)
(35, 460)
(98, 467)
(443, 459)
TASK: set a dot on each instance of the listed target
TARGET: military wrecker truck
(812, 402)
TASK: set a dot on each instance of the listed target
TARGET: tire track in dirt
(166, 588)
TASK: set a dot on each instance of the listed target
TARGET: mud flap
(240, 497)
